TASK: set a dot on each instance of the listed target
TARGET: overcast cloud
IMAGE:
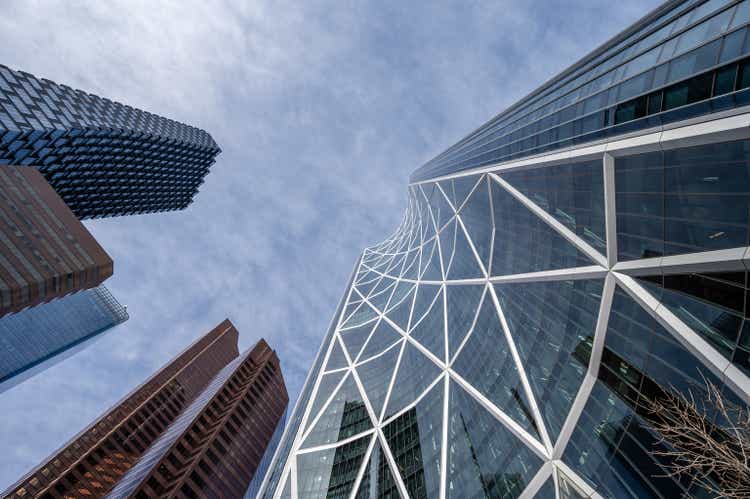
(322, 110)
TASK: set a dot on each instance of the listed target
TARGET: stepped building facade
(199, 427)
(562, 270)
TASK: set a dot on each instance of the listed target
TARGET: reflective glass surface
(344, 416)
(414, 440)
(683, 201)
(524, 243)
(377, 481)
(330, 473)
(484, 459)
(552, 324)
(486, 363)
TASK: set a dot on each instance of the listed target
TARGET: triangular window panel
(447, 245)
(415, 373)
(426, 294)
(486, 363)
(345, 416)
(361, 315)
(572, 193)
(441, 210)
(383, 337)
(568, 489)
(476, 215)
(431, 270)
(328, 384)
(415, 441)
(399, 312)
(403, 288)
(463, 305)
(447, 186)
(331, 472)
(376, 377)
(462, 186)
(485, 459)
(465, 264)
(711, 304)
(430, 330)
(377, 481)
(547, 491)
(337, 359)
(524, 242)
(411, 270)
(354, 339)
(552, 324)
(380, 299)
(366, 287)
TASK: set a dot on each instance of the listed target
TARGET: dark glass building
(579, 257)
(103, 158)
(197, 428)
(36, 338)
(45, 252)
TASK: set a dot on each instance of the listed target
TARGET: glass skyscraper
(576, 259)
(102, 157)
(35, 338)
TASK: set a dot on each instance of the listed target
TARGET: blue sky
(322, 110)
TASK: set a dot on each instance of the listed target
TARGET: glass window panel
(426, 294)
(742, 15)
(524, 243)
(732, 47)
(328, 383)
(331, 472)
(484, 458)
(707, 197)
(463, 305)
(465, 264)
(704, 31)
(355, 338)
(376, 376)
(382, 337)
(725, 80)
(336, 360)
(399, 311)
(345, 416)
(377, 481)
(430, 330)
(694, 62)
(486, 363)
(553, 324)
(572, 193)
(415, 440)
(708, 304)
(415, 373)
(476, 216)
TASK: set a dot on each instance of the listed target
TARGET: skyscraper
(575, 259)
(35, 338)
(103, 158)
(197, 428)
(45, 252)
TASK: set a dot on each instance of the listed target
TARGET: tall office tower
(197, 428)
(560, 271)
(103, 158)
(45, 252)
(38, 337)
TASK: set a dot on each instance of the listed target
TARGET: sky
(322, 110)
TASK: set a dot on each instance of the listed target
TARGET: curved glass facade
(509, 338)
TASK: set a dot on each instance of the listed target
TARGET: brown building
(45, 252)
(197, 428)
